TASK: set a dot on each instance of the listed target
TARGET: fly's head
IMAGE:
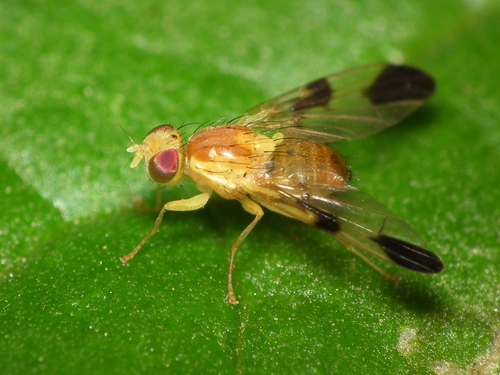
(163, 154)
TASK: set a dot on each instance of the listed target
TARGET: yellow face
(164, 155)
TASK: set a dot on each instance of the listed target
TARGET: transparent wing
(346, 105)
(358, 221)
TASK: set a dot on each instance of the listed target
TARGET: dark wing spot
(319, 93)
(399, 83)
(409, 256)
(325, 221)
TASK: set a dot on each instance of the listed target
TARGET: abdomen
(306, 162)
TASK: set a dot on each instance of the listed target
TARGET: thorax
(221, 157)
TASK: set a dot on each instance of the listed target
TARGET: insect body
(274, 157)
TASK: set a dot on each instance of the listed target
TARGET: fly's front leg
(191, 204)
(141, 207)
(254, 209)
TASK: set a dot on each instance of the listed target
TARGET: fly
(274, 156)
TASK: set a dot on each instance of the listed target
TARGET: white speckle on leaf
(486, 364)
(407, 341)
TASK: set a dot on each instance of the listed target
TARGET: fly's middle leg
(254, 209)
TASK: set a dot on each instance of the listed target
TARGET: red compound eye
(163, 166)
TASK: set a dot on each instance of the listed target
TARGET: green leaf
(73, 74)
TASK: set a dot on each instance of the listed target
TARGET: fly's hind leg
(191, 204)
(348, 241)
(254, 209)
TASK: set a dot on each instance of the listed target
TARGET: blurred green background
(72, 74)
